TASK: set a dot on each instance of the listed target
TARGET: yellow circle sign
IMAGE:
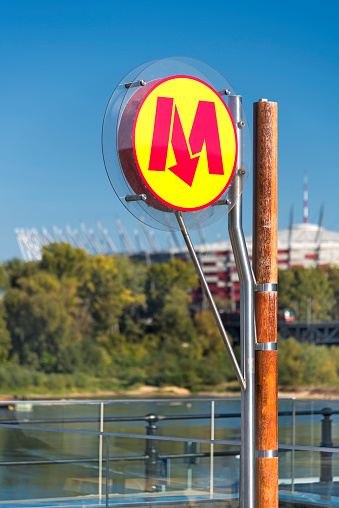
(184, 143)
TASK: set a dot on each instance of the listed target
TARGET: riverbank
(146, 392)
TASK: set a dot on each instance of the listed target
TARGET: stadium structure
(299, 245)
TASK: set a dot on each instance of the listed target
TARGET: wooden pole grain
(264, 255)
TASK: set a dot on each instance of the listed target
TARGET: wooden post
(265, 251)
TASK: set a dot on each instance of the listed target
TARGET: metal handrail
(122, 434)
(118, 459)
(198, 416)
(115, 401)
(165, 438)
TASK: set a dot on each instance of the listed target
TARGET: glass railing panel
(227, 421)
(307, 422)
(286, 420)
(226, 467)
(189, 418)
(88, 468)
(175, 470)
(37, 464)
(310, 476)
(84, 415)
(175, 417)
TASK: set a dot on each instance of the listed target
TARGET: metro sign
(184, 143)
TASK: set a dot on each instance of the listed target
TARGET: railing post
(326, 441)
(100, 448)
(151, 455)
(212, 452)
(107, 468)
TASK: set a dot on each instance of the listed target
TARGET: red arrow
(186, 167)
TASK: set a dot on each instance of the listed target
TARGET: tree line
(103, 317)
(73, 320)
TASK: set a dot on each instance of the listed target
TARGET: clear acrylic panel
(36, 471)
(37, 464)
(184, 418)
(309, 477)
(176, 471)
(71, 415)
(62, 465)
(227, 419)
(302, 422)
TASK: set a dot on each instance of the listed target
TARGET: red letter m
(204, 129)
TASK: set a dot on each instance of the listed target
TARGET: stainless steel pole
(247, 337)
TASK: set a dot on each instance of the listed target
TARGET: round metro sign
(184, 143)
(169, 143)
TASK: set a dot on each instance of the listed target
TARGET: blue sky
(60, 62)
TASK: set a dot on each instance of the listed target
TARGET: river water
(28, 480)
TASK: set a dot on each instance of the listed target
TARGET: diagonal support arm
(209, 297)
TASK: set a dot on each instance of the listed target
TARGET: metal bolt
(221, 202)
(241, 124)
(137, 197)
(134, 84)
(241, 171)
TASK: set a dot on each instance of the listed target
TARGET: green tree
(333, 280)
(173, 321)
(214, 365)
(5, 338)
(16, 269)
(165, 276)
(65, 261)
(168, 289)
(290, 367)
(133, 320)
(44, 314)
(208, 338)
(4, 279)
(319, 367)
(300, 288)
(106, 290)
(167, 297)
(307, 364)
